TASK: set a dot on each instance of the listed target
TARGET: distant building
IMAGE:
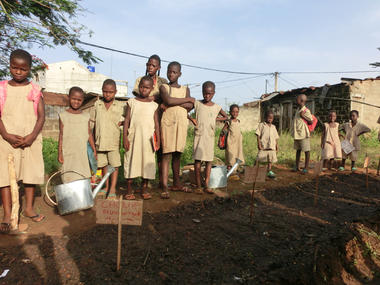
(56, 82)
(343, 97)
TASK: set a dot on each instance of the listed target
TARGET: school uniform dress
(352, 135)
(332, 146)
(234, 147)
(19, 117)
(140, 160)
(156, 86)
(174, 123)
(300, 132)
(107, 131)
(74, 146)
(204, 131)
(268, 137)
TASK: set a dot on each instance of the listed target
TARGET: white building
(59, 77)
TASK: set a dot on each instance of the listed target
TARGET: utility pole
(276, 81)
(225, 103)
(266, 86)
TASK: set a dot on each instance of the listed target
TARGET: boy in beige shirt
(300, 132)
(353, 130)
(108, 115)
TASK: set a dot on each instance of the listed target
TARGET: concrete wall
(61, 76)
(249, 117)
(51, 126)
(367, 91)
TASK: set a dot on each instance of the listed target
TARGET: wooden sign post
(257, 164)
(317, 170)
(14, 192)
(366, 164)
(378, 168)
(122, 212)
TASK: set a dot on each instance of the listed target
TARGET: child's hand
(322, 145)
(60, 158)
(28, 140)
(95, 154)
(276, 147)
(126, 144)
(120, 123)
(259, 146)
(163, 107)
(14, 140)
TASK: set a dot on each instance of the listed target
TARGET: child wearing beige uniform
(234, 148)
(22, 116)
(108, 115)
(353, 131)
(141, 121)
(301, 133)
(207, 113)
(267, 142)
(330, 142)
(153, 67)
(74, 133)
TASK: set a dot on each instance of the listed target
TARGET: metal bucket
(76, 195)
(219, 175)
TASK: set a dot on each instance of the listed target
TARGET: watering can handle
(47, 184)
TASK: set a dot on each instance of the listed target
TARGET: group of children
(155, 124)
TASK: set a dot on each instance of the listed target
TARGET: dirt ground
(208, 240)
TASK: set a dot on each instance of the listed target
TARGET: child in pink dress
(330, 143)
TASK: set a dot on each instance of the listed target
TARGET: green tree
(44, 23)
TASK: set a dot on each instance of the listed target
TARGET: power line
(290, 83)
(229, 71)
(229, 80)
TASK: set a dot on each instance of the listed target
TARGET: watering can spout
(110, 169)
(238, 161)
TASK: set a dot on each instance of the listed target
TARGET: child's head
(234, 111)
(269, 116)
(20, 65)
(145, 86)
(332, 116)
(301, 100)
(109, 90)
(174, 71)
(354, 115)
(208, 90)
(153, 65)
(76, 97)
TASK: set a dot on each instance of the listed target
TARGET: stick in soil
(378, 168)
(316, 190)
(119, 235)
(257, 164)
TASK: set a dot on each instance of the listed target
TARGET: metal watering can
(219, 175)
(76, 195)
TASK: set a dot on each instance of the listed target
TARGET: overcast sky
(261, 36)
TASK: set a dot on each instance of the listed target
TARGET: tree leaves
(42, 23)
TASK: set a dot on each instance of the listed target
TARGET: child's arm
(91, 140)
(14, 140)
(259, 146)
(277, 145)
(223, 115)
(126, 127)
(157, 128)
(225, 127)
(170, 101)
(29, 139)
(306, 115)
(364, 129)
(60, 141)
(187, 106)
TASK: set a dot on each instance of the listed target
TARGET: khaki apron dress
(234, 148)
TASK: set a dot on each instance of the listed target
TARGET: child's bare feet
(208, 190)
(165, 194)
(129, 196)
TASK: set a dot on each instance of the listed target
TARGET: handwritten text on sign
(107, 212)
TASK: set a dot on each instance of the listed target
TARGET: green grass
(285, 155)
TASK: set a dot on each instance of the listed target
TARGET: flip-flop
(37, 218)
(129, 197)
(112, 196)
(165, 195)
(102, 192)
(146, 196)
(208, 190)
(198, 191)
(5, 228)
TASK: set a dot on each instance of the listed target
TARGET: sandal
(5, 228)
(129, 197)
(37, 218)
(165, 195)
(208, 190)
(112, 196)
(198, 190)
(102, 192)
(146, 196)
(181, 189)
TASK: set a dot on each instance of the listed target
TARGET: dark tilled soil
(212, 242)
